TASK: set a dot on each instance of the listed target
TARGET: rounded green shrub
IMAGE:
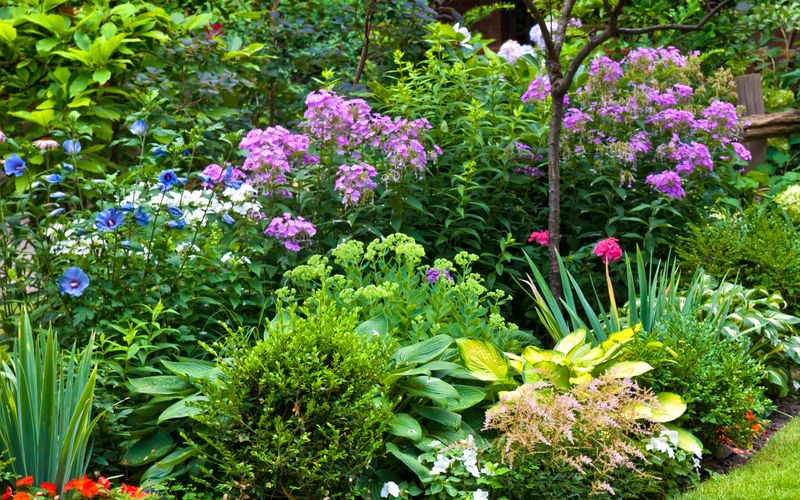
(298, 414)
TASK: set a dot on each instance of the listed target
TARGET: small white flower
(480, 495)
(441, 464)
(390, 489)
(463, 30)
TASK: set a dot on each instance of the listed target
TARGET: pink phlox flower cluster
(538, 90)
(649, 58)
(541, 237)
(672, 118)
(293, 232)
(575, 119)
(348, 124)
(355, 183)
(218, 174)
(270, 154)
(667, 182)
(722, 115)
(742, 151)
(608, 250)
(605, 69)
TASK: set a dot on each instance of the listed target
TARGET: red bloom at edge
(85, 486)
(25, 481)
(21, 495)
(540, 237)
(105, 483)
(7, 494)
(50, 487)
(133, 491)
(608, 250)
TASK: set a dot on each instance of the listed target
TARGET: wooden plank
(751, 96)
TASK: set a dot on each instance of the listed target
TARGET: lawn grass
(773, 473)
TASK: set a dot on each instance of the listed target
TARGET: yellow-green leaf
(483, 360)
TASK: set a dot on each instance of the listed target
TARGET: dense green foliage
(298, 412)
(758, 247)
(714, 374)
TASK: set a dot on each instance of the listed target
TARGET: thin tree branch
(609, 32)
(561, 29)
(546, 36)
(365, 47)
(675, 27)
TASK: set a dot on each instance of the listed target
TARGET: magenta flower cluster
(538, 90)
(352, 129)
(644, 114)
(355, 183)
(293, 232)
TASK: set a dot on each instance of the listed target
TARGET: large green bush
(714, 374)
(297, 413)
(758, 247)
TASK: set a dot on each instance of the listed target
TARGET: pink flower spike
(608, 250)
(540, 237)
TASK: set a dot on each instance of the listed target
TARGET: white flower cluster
(67, 241)
(390, 489)
(512, 51)
(197, 204)
(667, 442)
(234, 259)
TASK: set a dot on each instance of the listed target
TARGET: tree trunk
(554, 190)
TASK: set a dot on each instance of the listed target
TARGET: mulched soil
(787, 409)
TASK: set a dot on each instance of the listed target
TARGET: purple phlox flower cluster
(722, 115)
(349, 124)
(292, 232)
(649, 58)
(603, 68)
(684, 91)
(355, 183)
(433, 275)
(742, 151)
(270, 153)
(575, 119)
(215, 174)
(512, 51)
(687, 156)
(667, 182)
(672, 118)
(538, 90)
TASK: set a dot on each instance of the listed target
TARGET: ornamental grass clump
(572, 444)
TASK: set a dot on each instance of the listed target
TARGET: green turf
(772, 474)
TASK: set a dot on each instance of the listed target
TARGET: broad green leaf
(7, 32)
(424, 351)
(162, 384)
(409, 461)
(558, 375)
(429, 387)
(148, 449)
(180, 409)
(670, 407)
(45, 45)
(377, 325)
(483, 360)
(42, 117)
(404, 425)
(101, 76)
(534, 355)
(572, 341)
(686, 440)
(469, 396)
(193, 368)
(628, 369)
(440, 415)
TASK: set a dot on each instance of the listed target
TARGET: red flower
(756, 427)
(213, 30)
(750, 416)
(608, 249)
(50, 487)
(25, 481)
(133, 491)
(105, 483)
(540, 237)
(85, 486)
(7, 494)
(21, 495)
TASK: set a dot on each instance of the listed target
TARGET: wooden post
(751, 96)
